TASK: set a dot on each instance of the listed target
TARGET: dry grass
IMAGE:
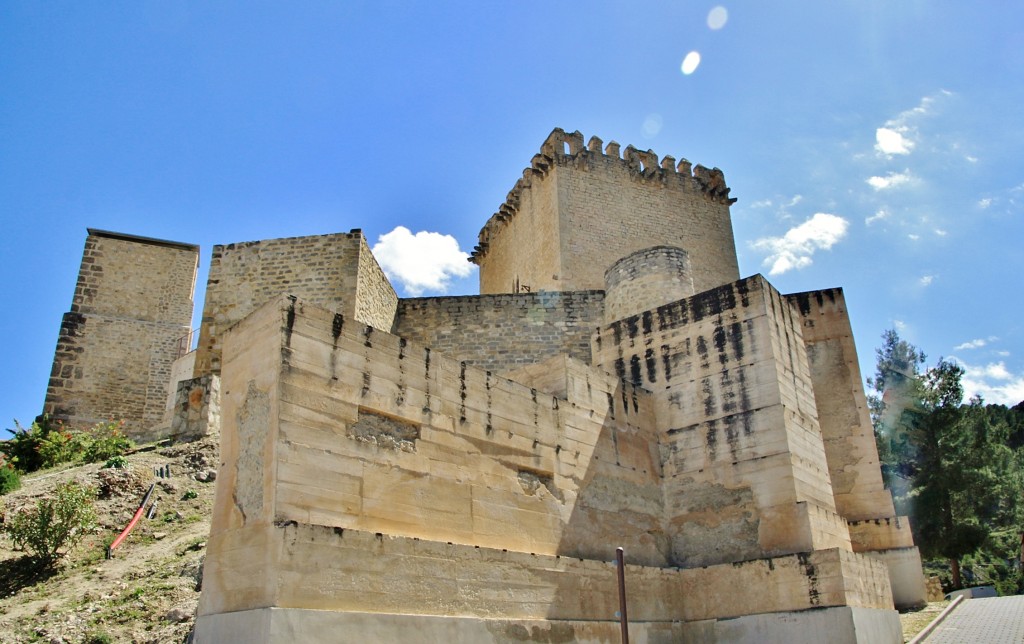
(915, 621)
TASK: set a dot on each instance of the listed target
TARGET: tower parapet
(579, 208)
(646, 280)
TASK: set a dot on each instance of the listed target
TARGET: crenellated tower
(578, 209)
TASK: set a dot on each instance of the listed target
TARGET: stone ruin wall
(337, 271)
(500, 333)
(544, 235)
(114, 355)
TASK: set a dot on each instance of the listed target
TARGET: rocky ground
(148, 590)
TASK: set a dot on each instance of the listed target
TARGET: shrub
(56, 523)
(10, 480)
(22, 448)
(45, 444)
(116, 462)
(106, 440)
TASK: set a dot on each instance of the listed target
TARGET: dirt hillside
(149, 590)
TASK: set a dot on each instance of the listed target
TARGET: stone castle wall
(578, 210)
(741, 446)
(645, 280)
(842, 407)
(323, 268)
(132, 304)
(503, 332)
(364, 474)
(370, 431)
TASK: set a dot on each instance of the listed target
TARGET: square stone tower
(131, 310)
(577, 210)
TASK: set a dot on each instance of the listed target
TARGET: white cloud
(878, 216)
(985, 203)
(422, 262)
(891, 180)
(940, 232)
(913, 237)
(926, 280)
(971, 159)
(971, 344)
(993, 382)
(891, 140)
(794, 249)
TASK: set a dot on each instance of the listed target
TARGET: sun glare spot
(717, 17)
(652, 125)
(690, 63)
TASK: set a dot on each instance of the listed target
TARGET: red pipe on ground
(131, 524)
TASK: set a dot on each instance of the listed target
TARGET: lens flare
(652, 125)
(717, 18)
(690, 63)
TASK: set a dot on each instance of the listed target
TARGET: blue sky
(877, 146)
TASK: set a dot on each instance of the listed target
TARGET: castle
(463, 468)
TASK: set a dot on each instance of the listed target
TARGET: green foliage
(116, 462)
(22, 448)
(55, 523)
(98, 637)
(46, 444)
(189, 495)
(107, 440)
(950, 466)
(10, 480)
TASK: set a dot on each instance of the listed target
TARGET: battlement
(579, 208)
(562, 148)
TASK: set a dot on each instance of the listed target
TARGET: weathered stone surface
(545, 237)
(132, 305)
(462, 468)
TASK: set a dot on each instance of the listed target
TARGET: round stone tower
(645, 280)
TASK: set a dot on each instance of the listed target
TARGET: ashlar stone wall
(117, 344)
(577, 210)
(382, 484)
(337, 271)
(500, 333)
(744, 462)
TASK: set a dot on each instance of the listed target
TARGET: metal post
(623, 620)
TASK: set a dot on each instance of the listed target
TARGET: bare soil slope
(149, 590)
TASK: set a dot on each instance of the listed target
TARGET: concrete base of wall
(842, 625)
(839, 625)
(905, 575)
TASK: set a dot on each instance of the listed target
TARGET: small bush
(189, 494)
(116, 462)
(56, 523)
(22, 448)
(10, 480)
(107, 440)
(46, 444)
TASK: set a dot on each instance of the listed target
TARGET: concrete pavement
(992, 620)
